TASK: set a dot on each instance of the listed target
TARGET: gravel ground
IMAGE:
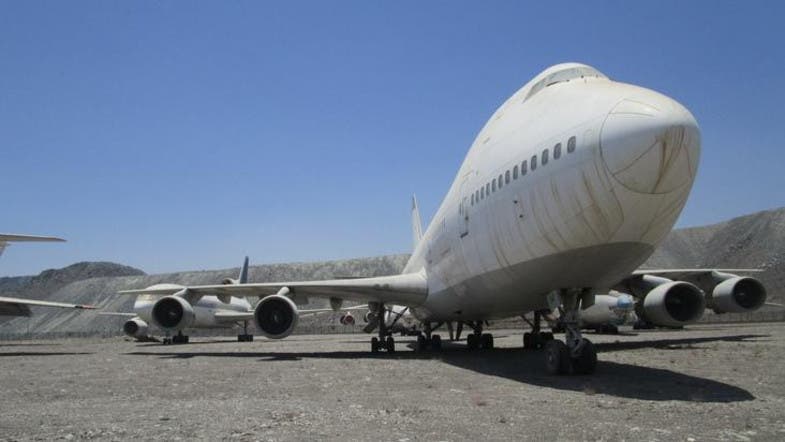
(706, 383)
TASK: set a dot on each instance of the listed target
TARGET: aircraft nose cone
(651, 144)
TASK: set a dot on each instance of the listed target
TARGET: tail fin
(416, 223)
(243, 278)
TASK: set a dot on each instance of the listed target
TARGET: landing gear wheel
(472, 341)
(486, 341)
(422, 343)
(166, 341)
(436, 342)
(390, 344)
(179, 339)
(244, 338)
(586, 361)
(557, 357)
(374, 345)
(527, 341)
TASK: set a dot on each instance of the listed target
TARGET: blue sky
(185, 135)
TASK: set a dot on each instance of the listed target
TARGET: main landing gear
(578, 354)
(245, 337)
(478, 339)
(536, 339)
(385, 340)
(179, 338)
(429, 340)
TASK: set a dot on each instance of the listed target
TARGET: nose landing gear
(578, 354)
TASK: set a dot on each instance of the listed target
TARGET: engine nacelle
(738, 294)
(347, 319)
(135, 328)
(369, 316)
(173, 313)
(276, 316)
(673, 304)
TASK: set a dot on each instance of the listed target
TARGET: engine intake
(173, 313)
(673, 304)
(276, 316)
(737, 295)
(135, 328)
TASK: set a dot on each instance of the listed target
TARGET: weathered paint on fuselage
(586, 219)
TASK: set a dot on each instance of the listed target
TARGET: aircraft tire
(586, 361)
(436, 342)
(557, 357)
(422, 343)
(390, 344)
(374, 345)
(486, 341)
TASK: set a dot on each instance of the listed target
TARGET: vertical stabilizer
(243, 278)
(416, 223)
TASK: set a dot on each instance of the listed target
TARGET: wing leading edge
(407, 289)
(21, 307)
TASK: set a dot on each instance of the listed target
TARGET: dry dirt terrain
(705, 383)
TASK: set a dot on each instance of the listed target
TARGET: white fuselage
(204, 309)
(627, 160)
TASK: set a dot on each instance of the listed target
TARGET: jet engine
(347, 319)
(276, 316)
(737, 294)
(672, 303)
(173, 313)
(369, 317)
(135, 328)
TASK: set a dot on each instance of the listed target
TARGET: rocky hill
(752, 241)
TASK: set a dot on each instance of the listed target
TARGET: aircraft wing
(8, 237)
(21, 306)
(408, 289)
(687, 274)
(121, 314)
(703, 278)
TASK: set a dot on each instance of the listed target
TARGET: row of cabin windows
(526, 165)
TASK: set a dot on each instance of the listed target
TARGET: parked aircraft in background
(21, 306)
(221, 311)
(605, 316)
(569, 187)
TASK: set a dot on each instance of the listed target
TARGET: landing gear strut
(245, 337)
(179, 338)
(536, 339)
(578, 355)
(385, 340)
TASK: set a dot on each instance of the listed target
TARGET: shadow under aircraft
(612, 378)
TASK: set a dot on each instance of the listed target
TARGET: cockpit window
(562, 76)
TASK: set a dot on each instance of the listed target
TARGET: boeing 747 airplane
(570, 186)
